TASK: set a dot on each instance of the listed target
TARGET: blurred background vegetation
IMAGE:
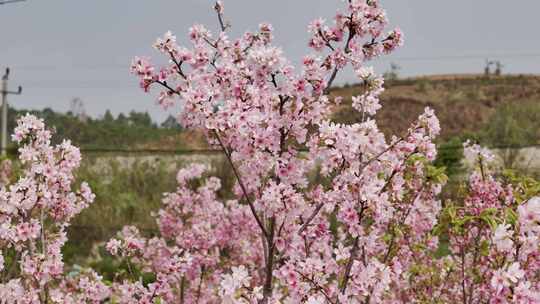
(125, 131)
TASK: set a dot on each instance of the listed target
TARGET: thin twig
(369, 161)
(130, 269)
(348, 269)
(182, 289)
(178, 65)
(200, 284)
(267, 289)
(242, 186)
(222, 24)
(311, 217)
(317, 286)
(330, 81)
(164, 83)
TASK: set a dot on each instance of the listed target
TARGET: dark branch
(242, 186)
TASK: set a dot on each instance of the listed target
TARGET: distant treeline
(132, 130)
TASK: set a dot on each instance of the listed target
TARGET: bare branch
(317, 286)
(354, 253)
(267, 289)
(178, 65)
(347, 275)
(311, 217)
(164, 84)
(218, 7)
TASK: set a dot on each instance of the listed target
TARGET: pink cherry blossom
(34, 214)
(502, 238)
(320, 212)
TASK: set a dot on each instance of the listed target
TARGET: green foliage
(456, 96)
(524, 186)
(452, 218)
(475, 93)
(423, 86)
(135, 129)
(512, 126)
(449, 156)
(111, 268)
(125, 195)
(436, 174)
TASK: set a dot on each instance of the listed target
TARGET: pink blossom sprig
(34, 214)
(493, 243)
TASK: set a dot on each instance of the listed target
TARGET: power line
(10, 1)
(118, 66)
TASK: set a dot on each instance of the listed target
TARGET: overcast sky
(61, 49)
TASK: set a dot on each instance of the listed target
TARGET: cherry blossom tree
(347, 240)
(34, 214)
(369, 233)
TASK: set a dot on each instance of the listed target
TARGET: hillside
(463, 103)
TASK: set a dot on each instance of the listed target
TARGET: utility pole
(5, 93)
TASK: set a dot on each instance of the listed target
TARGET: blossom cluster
(493, 241)
(34, 214)
(196, 231)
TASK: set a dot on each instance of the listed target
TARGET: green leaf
(511, 216)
